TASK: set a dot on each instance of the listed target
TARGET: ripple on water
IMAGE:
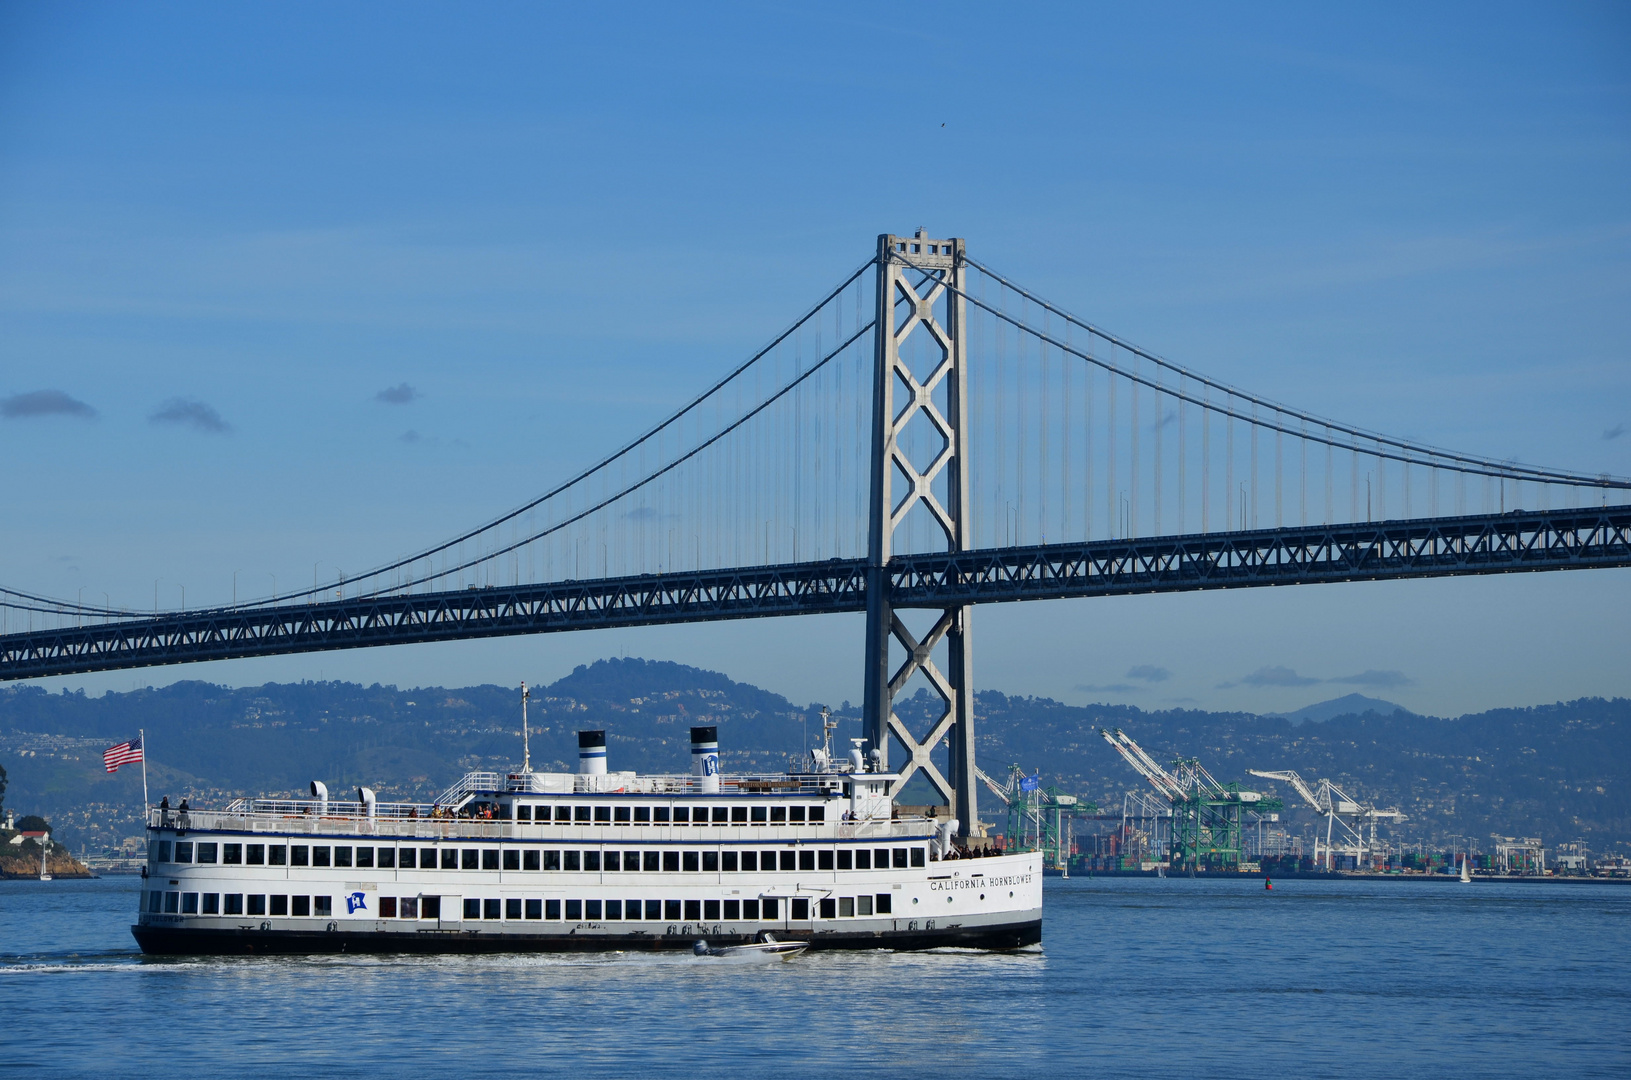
(1376, 978)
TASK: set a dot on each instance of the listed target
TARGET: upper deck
(829, 799)
(568, 806)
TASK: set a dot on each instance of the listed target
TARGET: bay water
(1135, 977)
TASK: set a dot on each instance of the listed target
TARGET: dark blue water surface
(1135, 978)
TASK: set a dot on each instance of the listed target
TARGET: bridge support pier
(913, 299)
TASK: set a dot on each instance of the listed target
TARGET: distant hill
(216, 743)
(1346, 705)
(1559, 771)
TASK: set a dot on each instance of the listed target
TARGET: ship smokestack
(705, 759)
(592, 753)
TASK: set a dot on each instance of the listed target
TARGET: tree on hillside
(33, 823)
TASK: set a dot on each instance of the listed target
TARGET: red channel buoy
(1267, 884)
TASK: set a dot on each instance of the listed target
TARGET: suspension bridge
(928, 437)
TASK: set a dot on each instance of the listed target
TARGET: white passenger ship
(595, 860)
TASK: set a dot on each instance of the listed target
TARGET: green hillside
(1559, 771)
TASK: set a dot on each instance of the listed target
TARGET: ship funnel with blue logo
(705, 759)
(592, 753)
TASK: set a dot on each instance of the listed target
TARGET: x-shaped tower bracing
(913, 278)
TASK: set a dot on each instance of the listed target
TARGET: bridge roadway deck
(1516, 542)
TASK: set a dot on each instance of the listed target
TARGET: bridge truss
(1449, 547)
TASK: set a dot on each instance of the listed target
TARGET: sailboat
(45, 845)
(1466, 869)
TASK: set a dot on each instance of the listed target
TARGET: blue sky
(225, 230)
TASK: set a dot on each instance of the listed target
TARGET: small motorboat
(769, 946)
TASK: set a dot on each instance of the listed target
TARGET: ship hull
(198, 941)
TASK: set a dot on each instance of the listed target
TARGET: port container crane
(1036, 815)
(1206, 814)
(1337, 807)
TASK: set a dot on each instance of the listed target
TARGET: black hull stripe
(168, 941)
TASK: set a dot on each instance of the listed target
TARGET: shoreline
(1349, 875)
(60, 866)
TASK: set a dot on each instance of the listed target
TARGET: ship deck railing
(307, 817)
(475, 784)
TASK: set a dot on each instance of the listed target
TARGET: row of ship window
(764, 909)
(672, 815)
(447, 858)
(191, 903)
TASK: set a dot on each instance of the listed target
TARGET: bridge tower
(913, 275)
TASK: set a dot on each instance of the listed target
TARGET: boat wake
(68, 967)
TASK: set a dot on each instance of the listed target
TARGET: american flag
(126, 753)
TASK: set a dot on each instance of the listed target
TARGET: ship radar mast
(526, 749)
(821, 756)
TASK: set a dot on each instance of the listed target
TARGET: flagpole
(142, 734)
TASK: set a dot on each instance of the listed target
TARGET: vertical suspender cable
(1302, 476)
(1381, 485)
(1183, 455)
(1353, 484)
(1087, 468)
(1001, 502)
(1042, 454)
(1206, 460)
(1253, 476)
(1160, 422)
(1113, 436)
(1330, 453)
(1065, 365)
(1279, 473)
(1021, 415)
(1132, 481)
